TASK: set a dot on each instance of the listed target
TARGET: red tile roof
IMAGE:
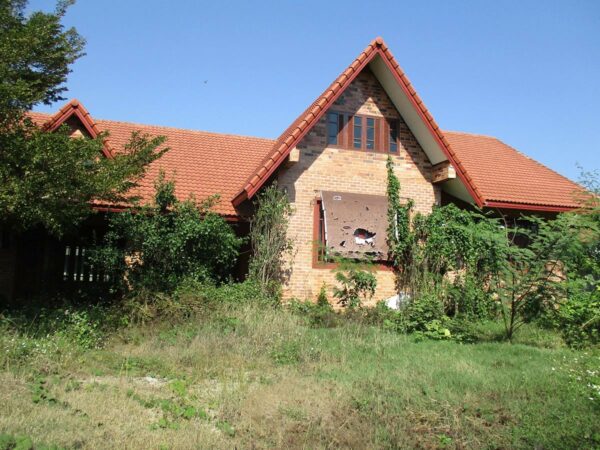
(296, 131)
(202, 163)
(506, 177)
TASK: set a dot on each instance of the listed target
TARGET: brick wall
(334, 169)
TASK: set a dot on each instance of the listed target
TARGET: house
(331, 162)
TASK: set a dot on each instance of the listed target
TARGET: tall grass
(255, 376)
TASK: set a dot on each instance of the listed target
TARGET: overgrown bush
(194, 298)
(269, 239)
(154, 248)
(56, 332)
(578, 316)
(319, 314)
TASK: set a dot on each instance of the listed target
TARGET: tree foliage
(154, 248)
(50, 179)
(400, 238)
(356, 285)
(269, 239)
(36, 53)
(521, 268)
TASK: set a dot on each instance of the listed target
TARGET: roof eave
(529, 207)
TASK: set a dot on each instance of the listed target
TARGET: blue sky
(527, 72)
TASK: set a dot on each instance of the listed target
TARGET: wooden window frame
(381, 133)
(341, 123)
(388, 129)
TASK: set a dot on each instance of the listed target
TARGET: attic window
(352, 226)
(335, 123)
(358, 132)
(393, 136)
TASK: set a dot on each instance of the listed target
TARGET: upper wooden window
(392, 135)
(358, 132)
(334, 127)
(375, 134)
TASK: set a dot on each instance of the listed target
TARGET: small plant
(356, 286)
(322, 299)
(287, 352)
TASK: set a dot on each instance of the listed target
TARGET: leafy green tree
(49, 179)
(269, 239)
(153, 248)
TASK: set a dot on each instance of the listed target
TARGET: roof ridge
(168, 127)
(123, 122)
(302, 125)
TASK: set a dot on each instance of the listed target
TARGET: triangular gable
(74, 109)
(390, 75)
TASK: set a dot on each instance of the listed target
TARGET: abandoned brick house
(330, 161)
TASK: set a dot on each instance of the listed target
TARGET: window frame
(320, 246)
(382, 126)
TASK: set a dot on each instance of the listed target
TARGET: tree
(268, 237)
(49, 179)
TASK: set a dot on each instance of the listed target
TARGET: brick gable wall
(335, 169)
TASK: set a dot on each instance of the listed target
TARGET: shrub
(268, 236)
(356, 285)
(154, 248)
(578, 317)
(466, 297)
(422, 311)
(192, 298)
(315, 315)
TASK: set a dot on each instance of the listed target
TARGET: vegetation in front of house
(243, 373)
(49, 179)
(269, 239)
(478, 267)
(155, 249)
(179, 355)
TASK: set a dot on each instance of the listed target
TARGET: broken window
(352, 226)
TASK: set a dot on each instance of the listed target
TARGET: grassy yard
(252, 378)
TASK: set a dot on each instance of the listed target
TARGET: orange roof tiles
(504, 175)
(202, 163)
(296, 131)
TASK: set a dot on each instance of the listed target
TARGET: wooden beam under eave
(293, 157)
(442, 172)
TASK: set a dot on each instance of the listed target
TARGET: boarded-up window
(353, 225)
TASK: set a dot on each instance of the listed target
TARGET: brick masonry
(336, 169)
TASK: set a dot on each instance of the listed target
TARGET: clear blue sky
(527, 72)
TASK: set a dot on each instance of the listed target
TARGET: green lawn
(252, 378)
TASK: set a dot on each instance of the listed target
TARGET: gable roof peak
(74, 108)
(302, 125)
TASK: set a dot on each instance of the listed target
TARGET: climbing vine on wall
(400, 238)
